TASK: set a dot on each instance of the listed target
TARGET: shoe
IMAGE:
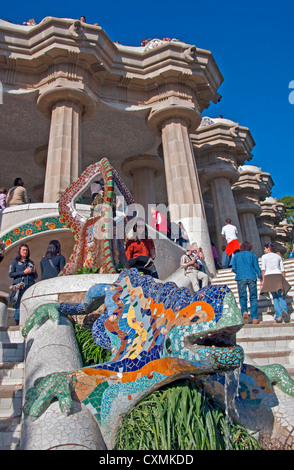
(278, 319)
(245, 317)
(255, 321)
(285, 316)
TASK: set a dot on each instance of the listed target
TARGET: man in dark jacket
(245, 265)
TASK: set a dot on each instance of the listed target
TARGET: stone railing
(53, 348)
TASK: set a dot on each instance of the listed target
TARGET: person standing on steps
(23, 272)
(291, 254)
(273, 280)
(230, 233)
(245, 266)
(53, 261)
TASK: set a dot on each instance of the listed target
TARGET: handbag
(14, 293)
(13, 297)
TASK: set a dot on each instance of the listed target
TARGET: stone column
(183, 187)
(250, 231)
(64, 150)
(224, 207)
(268, 219)
(182, 180)
(220, 146)
(218, 174)
(248, 191)
(284, 233)
(143, 169)
(66, 107)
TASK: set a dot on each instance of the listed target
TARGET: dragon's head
(152, 320)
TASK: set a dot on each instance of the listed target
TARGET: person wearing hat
(191, 268)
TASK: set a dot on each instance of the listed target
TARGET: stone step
(269, 344)
(265, 303)
(11, 352)
(10, 432)
(266, 343)
(10, 319)
(270, 329)
(10, 401)
(11, 344)
(284, 358)
(11, 334)
(11, 373)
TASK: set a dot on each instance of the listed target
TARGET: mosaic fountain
(157, 333)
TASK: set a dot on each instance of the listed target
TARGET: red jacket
(144, 247)
(159, 222)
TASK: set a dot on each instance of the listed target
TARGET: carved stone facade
(71, 96)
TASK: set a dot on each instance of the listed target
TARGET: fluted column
(251, 187)
(66, 108)
(268, 219)
(64, 150)
(220, 146)
(183, 187)
(224, 207)
(250, 232)
(143, 169)
(180, 169)
(219, 171)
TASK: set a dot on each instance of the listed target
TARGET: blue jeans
(279, 303)
(227, 260)
(242, 290)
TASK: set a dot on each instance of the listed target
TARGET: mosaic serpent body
(156, 332)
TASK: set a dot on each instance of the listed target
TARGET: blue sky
(252, 43)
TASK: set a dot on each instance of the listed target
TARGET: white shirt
(230, 232)
(272, 263)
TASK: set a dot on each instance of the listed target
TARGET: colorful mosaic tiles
(90, 250)
(32, 228)
(206, 121)
(156, 332)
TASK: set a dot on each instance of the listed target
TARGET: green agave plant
(180, 417)
(88, 271)
(90, 352)
(177, 417)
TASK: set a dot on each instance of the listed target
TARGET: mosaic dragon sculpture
(157, 333)
(95, 241)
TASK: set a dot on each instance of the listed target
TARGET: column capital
(249, 190)
(224, 135)
(137, 162)
(173, 110)
(217, 164)
(51, 97)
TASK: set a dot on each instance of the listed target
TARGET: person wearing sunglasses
(140, 249)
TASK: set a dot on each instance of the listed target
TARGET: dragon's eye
(168, 343)
(195, 319)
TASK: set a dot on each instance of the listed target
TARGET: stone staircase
(266, 343)
(269, 342)
(11, 384)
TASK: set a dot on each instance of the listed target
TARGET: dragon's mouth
(219, 345)
(221, 339)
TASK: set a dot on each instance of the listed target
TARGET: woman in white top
(273, 280)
